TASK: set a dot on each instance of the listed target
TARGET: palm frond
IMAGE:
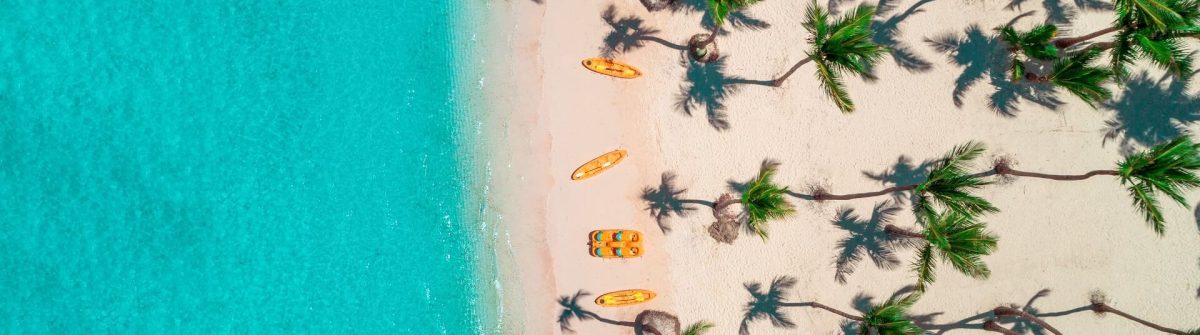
(1078, 76)
(1168, 168)
(891, 317)
(966, 241)
(832, 83)
(764, 201)
(924, 267)
(950, 184)
(698, 328)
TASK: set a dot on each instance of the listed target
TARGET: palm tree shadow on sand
(767, 304)
(865, 238)
(904, 172)
(667, 200)
(1016, 324)
(983, 56)
(1150, 111)
(887, 33)
(629, 33)
(706, 86)
(572, 310)
(740, 20)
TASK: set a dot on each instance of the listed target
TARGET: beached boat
(599, 164)
(624, 298)
(619, 252)
(615, 243)
(618, 235)
(611, 68)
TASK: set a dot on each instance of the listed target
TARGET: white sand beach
(1070, 238)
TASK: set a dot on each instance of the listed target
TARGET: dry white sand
(1068, 237)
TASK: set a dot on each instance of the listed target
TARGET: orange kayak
(611, 68)
(599, 164)
(624, 298)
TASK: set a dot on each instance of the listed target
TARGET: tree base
(699, 52)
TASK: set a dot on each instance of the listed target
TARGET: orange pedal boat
(624, 298)
(599, 164)
(611, 68)
(615, 243)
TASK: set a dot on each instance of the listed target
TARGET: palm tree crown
(764, 200)
(949, 184)
(1154, 28)
(719, 9)
(840, 46)
(1076, 75)
(890, 317)
(1166, 168)
(956, 238)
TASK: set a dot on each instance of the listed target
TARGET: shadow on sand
(981, 56)
(629, 33)
(887, 33)
(904, 172)
(766, 304)
(706, 86)
(865, 238)
(1150, 111)
(572, 310)
(667, 200)
(739, 20)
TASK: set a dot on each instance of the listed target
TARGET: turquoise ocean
(240, 166)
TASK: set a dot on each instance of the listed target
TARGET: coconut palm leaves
(1168, 169)
(839, 46)
(890, 318)
(954, 237)
(698, 328)
(1035, 43)
(720, 9)
(949, 184)
(1076, 75)
(1154, 28)
(764, 200)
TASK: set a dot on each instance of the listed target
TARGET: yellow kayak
(624, 298)
(598, 165)
(611, 68)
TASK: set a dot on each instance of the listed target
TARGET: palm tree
(1076, 75)
(764, 200)
(1153, 28)
(1100, 306)
(888, 318)
(705, 50)
(1009, 311)
(1034, 43)
(839, 46)
(948, 184)
(955, 237)
(697, 328)
(1168, 168)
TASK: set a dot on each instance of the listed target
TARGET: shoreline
(1048, 232)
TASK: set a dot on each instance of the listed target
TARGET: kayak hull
(599, 164)
(610, 67)
(625, 298)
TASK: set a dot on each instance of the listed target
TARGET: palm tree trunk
(992, 326)
(901, 232)
(711, 36)
(1068, 42)
(1104, 308)
(835, 311)
(826, 196)
(1007, 311)
(1004, 169)
(779, 81)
